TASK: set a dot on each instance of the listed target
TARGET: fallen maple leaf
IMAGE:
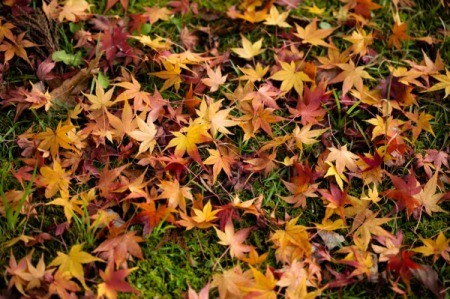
(146, 135)
(55, 179)
(114, 281)
(195, 134)
(276, 19)
(175, 194)
(215, 79)
(351, 75)
(248, 50)
(444, 83)
(290, 77)
(234, 240)
(72, 263)
(438, 247)
(311, 35)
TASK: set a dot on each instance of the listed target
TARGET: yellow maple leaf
(101, 100)
(254, 74)
(195, 134)
(315, 10)
(172, 75)
(71, 264)
(306, 136)
(211, 114)
(55, 179)
(339, 176)
(157, 44)
(438, 247)
(53, 140)
(444, 83)
(276, 19)
(290, 77)
(311, 35)
(248, 50)
(204, 218)
(70, 206)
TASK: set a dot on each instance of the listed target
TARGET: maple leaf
(264, 162)
(74, 10)
(351, 76)
(291, 243)
(254, 74)
(146, 135)
(215, 79)
(231, 281)
(422, 123)
(398, 35)
(344, 159)
(234, 239)
(101, 100)
(402, 265)
(55, 179)
(175, 195)
(306, 136)
(204, 292)
(368, 227)
(19, 273)
(218, 119)
(276, 19)
(309, 106)
(61, 284)
(133, 91)
(220, 161)
(438, 247)
(154, 14)
(339, 176)
(5, 31)
(111, 3)
(172, 74)
(254, 258)
(70, 206)
(404, 192)
(157, 44)
(195, 134)
(124, 125)
(315, 10)
(114, 281)
(36, 275)
(203, 218)
(53, 140)
(428, 197)
(16, 48)
(248, 50)
(72, 263)
(118, 249)
(360, 41)
(444, 83)
(263, 286)
(151, 215)
(290, 77)
(311, 35)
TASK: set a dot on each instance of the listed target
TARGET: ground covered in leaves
(231, 149)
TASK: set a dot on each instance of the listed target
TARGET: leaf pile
(134, 129)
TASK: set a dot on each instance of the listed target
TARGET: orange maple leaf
(311, 35)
